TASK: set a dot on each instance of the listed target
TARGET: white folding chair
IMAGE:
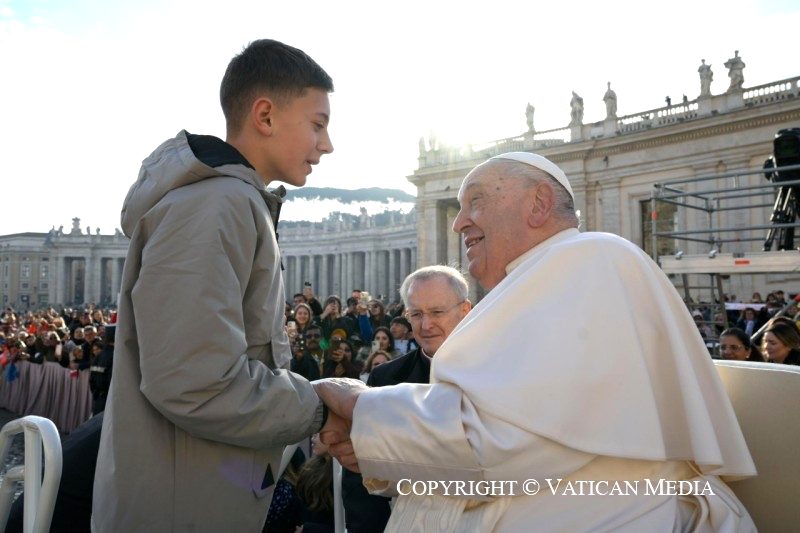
(765, 397)
(40, 494)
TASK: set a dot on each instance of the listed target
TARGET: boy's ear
(262, 114)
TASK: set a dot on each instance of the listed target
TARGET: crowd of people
(329, 341)
(202, 408)
(76, 339)
(761, 330)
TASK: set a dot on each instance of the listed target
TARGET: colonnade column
(323, 277)
(404, 263)
(610, 194)
(347, 267)
(115, 280)
(61, 280)
(313, 263)
(73, 282)
(298, 275)
(368, 280)
(453, 239)
(337, 276)
(88, 278)
(392, 276)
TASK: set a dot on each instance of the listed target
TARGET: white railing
(663, 116)
(658, 117)
(521, 143)
(772, 92)
(39, 494)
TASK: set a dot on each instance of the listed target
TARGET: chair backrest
(766, 398)
(39, 492)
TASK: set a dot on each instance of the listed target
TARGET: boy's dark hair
(267, 66)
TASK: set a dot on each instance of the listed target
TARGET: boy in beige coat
(200, 405)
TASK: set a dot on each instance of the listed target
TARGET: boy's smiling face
(299, 137)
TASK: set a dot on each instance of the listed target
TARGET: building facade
(613, 166)
(342, 253)
(373, 253)
(57, 268)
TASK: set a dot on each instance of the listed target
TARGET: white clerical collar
(558, 237)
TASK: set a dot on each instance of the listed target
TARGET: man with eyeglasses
(526, 389)
(435, 299)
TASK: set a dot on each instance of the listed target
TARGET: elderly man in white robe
(566, 371)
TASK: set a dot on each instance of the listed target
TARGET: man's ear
(541, 199)
(262, 114)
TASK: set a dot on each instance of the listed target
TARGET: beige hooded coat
(199, 408)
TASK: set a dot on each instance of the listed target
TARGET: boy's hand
(339, 394)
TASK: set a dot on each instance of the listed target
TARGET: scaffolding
(709, 239)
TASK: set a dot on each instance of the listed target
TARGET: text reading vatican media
(556, 487)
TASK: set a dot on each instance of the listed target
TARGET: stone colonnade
(380, 272)
(371, 253)
(87, 278)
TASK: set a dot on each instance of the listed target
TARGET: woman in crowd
(303, 318)
(332, 319)
(98, 319)
(377, 315)
(385, 341)
(339, 361)
(781, 342)
(735, 344)
(375, 359)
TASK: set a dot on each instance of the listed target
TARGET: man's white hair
(455, 278)
(563, 203)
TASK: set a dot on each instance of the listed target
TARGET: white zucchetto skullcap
(542, 163)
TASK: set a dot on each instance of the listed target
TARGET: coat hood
(184, 160)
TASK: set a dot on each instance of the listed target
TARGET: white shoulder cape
(611, 363)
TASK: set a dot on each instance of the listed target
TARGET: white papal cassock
(583, 364)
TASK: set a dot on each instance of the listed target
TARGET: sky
(88, 88)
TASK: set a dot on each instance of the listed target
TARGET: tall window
(25, 271)
(665, 221)
(44, 270)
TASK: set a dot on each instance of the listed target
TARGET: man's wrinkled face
(492, 217)
(434, 310)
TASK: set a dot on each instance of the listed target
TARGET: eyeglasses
(731, 347)
(313, 336)
(414, 315)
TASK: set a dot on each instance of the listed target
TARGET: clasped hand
(340, 395)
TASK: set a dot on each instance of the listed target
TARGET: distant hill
(348, 196)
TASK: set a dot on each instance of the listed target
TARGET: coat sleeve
(197, 369)
(366, 328)
(433, 432)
